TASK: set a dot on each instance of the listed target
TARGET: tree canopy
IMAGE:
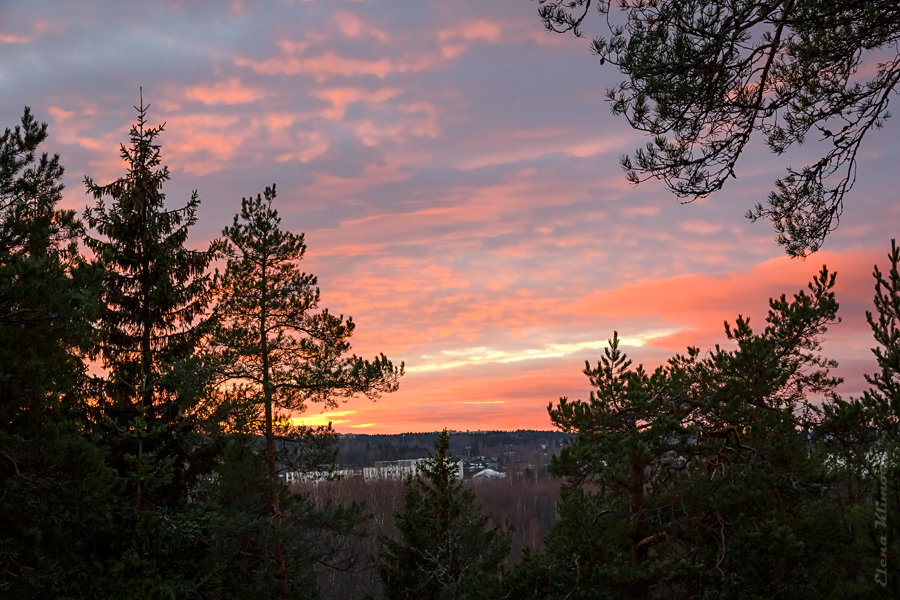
(50, 475)
(702, 76)
(46, 289)
(278, 348)
(155, 297)
(737, 473)
(446, 549)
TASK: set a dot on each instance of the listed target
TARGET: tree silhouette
(280, 351)
(701, 76)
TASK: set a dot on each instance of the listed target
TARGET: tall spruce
(446, 549)
(149, 407)
(279, 349)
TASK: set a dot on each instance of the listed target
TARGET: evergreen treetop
(154, 319)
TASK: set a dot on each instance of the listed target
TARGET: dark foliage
(715, 475)
(281, 352)
(150, 408)
(51, 541)
(701, 76)
(446, 548)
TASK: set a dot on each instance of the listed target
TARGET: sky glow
(454, 168)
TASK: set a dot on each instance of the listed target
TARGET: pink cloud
(329, 65)
(500, 149)
(472, 30)
(352, 26)
(15, 39)
(454, 40)
(60, 115)
(468, 212)
(341, 97)
(307, 147)
(225, 92)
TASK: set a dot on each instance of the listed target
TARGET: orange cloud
(505, 398)
(476, 360)
(15, 39)
(314, 418)
(329, 65)
(341, 97)
(225, 92)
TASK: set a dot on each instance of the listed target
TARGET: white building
(399, 469)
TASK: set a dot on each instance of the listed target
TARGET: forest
(145, 429)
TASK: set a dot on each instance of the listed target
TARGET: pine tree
(314, 536)
(862, 435)
(702, 77)
(446, 548)
(703, 478)
(282, 352)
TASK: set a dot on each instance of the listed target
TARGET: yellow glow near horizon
(322, 419)
(482, 355)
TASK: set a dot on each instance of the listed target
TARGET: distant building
(399, 469)
(291, 477)
(384, 469)
(488, 474)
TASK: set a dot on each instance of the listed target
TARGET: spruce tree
(447, 549)
(156, 292)
(148, 408)
(281, 351)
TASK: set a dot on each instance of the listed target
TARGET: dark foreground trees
(149, 408)
(281, 351)
(721, 475)
(45, 286)
(146, 479)
(701, 76)
(311, 537)
(50, 475)
(446, 548)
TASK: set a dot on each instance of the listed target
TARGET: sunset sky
(455, 170)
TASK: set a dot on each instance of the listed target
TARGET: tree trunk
(278, 559)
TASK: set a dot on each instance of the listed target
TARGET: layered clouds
(455, 170)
